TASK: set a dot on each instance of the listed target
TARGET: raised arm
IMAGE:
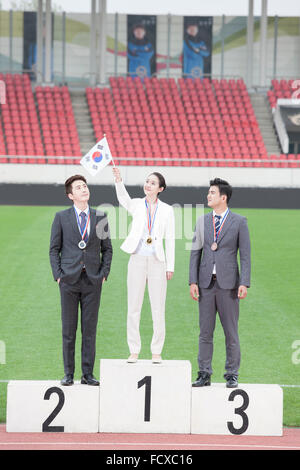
(122, 194)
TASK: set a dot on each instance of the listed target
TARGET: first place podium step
(145, 397)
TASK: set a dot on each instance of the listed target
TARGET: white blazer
(164, 226)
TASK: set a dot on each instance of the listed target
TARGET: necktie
(82, 225)
(217, 222)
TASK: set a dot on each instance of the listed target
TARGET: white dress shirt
(87, 214)
(143, 248)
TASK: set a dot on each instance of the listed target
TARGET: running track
(104, 441)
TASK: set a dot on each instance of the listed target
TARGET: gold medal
(150, 221)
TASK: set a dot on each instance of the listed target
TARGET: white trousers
(142, 270)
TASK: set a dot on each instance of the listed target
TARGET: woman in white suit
(153, 222)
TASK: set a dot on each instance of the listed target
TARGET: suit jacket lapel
(145, 216)
(73, 223)
(157, 217)
(209, 227)
(93, 221)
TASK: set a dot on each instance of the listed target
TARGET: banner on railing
(30, 43)
(141, 45)
(197, 46)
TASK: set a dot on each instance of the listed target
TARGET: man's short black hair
(224, 187)
(70, 181)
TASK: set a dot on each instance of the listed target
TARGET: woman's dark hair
(161, 180)
(224, 187)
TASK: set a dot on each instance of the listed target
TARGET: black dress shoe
(89, 379)
(203, 380)
(231, 381)
(67, 380)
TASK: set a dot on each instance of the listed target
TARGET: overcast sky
(181, 7)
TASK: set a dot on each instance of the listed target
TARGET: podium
(46, 406)
(250, 409)
(144, 398)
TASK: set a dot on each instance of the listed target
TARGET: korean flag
(97, 158)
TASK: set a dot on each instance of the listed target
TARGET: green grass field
(30, 326)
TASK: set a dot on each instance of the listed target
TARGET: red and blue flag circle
(97, 156)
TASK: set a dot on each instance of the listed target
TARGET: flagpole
(104, 135)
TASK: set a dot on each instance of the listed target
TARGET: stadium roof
(179, 7)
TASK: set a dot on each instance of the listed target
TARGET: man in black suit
(80, 257)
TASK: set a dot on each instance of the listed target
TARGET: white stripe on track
(173, 445)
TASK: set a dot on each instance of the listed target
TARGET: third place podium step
(145, 397)
(250, 409)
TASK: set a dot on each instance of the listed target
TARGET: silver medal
(82, 244)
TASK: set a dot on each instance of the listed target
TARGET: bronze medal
(149, 241)
(214, 245)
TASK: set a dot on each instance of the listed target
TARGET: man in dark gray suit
(215, 281)
(80, 257)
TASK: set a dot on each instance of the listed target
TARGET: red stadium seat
(157, 120)
(19, 111)
(57, 120)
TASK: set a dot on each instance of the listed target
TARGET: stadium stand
(226, 120)
(19, 121)
(39, 123)
(191, 119)
(281, 89)
(2, 146)
(57, 123)
(157, 121)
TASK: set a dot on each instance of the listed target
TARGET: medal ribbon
(150, 221)
(216, 234)
(83, 233)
